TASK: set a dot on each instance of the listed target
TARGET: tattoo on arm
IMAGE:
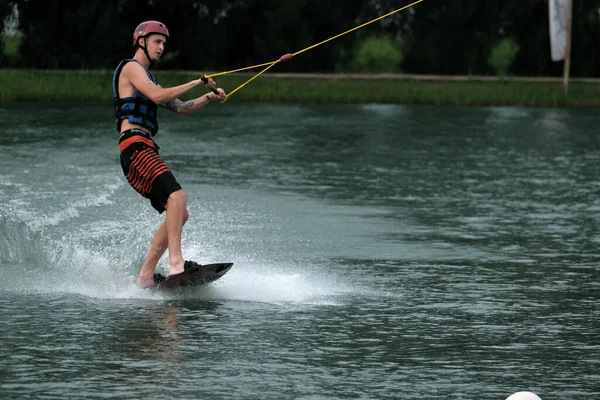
(179, 106)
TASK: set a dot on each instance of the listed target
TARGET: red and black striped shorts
(147, 173)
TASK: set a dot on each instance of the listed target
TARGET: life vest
(137, 109)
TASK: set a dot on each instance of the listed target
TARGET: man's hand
(209, 84)
(214, 97)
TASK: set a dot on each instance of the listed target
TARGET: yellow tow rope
(289, 56)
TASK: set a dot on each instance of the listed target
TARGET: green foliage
(503, 56)
(92, 86)
(11, 49)
(71, 34)
(378, 55)
(452, 37)
(11, 45)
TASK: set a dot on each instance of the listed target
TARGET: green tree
(67, 33)
(452, 37)
(257, 31)
(503, 56)
(378, 54)
(585, 52)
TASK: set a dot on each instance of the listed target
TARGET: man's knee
(179, 197)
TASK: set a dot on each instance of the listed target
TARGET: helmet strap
(145, 48)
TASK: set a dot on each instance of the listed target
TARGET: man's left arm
(186, 107)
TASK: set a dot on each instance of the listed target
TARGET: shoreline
(27, 85)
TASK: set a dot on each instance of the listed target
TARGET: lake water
(380, 252)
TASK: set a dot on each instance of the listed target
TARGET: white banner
(558, 28)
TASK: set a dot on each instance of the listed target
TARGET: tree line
(432, 37)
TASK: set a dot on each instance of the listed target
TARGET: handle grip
(205, 80)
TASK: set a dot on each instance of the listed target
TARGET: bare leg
(169, 234)
(177, 216)
(157, 249)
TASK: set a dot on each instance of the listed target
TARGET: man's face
(155, 44)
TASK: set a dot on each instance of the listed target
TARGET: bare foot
(176, 268)
(145, 282)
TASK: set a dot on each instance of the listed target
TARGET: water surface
(380, 252)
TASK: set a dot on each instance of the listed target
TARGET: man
(136, 97)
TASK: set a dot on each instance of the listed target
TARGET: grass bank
(43, 86)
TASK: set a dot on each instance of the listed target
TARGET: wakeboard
(193, 276)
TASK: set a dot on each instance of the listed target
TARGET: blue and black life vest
(137, 109)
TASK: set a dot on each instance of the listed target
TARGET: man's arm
(136, 74)
(186, 107)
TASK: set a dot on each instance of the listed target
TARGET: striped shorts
(147, 173)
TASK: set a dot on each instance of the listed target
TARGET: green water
(380, 252)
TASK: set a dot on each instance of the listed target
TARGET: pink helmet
(148, 27)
